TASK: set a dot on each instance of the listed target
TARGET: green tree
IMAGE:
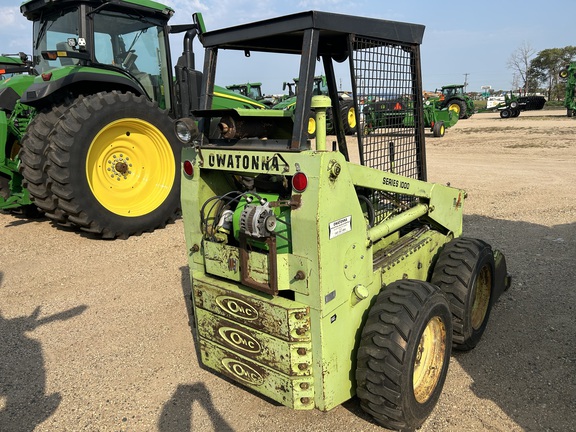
(544, 68)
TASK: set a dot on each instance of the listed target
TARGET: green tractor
(88, 136)
(453, 97)
(569, 74)
(323, 270)
(346, 108)
(253, 91)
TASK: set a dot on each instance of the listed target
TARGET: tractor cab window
(255, 93)
(136, 45)
(52, 33)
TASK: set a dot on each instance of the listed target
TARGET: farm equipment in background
(569, 74)
(254, 91)
(513, 105)
(398, 112)
(346, 108)
(110, 165)
(327, 271)
(11, 64)
(453, 97)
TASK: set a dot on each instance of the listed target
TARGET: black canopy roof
(285, 34)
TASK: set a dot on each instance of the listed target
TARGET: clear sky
(470, 40)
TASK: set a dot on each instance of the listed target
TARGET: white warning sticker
(340, 226)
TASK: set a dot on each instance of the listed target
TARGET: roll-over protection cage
(385, 76)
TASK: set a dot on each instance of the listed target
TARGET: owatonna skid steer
(323, 269)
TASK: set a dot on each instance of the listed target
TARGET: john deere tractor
(323, 270)
(88, 136)
(345, 110)
(453, 97)
(569, 74)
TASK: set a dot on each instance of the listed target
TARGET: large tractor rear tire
(465, 272)
(461, 107)
(34, 157)
(114, 165)
(404, 354)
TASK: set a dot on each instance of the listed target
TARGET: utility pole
(466, 81)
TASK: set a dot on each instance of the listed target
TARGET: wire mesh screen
(387, 91)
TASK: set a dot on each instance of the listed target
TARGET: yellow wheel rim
(454, 107)
(482, 292)
(130, 167)
(352, 117)
(429, 359)
(311, 126)
(442, 130)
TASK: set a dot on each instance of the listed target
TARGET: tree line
(538, 72)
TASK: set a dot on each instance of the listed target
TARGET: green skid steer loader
(88, 136)
(324, 270)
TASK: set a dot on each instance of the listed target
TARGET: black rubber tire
(439, 129)
(515, 112)
(570, 112)
(346, 110)
(462, 114)
(505, 113)
(465, 272)
(81, 131)
(389, 350)
(34, 158)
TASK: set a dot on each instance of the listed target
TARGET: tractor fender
(84, 81)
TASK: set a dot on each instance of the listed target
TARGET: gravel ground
(95, 335)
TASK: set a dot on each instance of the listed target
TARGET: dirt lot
(95, 335)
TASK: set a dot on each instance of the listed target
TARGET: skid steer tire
(114, 165)
(465, 272)
(34, 157)
(348, 115)
(404, 352)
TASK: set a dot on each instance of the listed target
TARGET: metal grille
(390, 102)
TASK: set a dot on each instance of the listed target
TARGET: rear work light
(299, 182)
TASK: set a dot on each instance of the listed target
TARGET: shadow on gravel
(526, 361)
(23, 402)
(177, 413)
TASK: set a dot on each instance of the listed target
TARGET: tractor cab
(103, 42)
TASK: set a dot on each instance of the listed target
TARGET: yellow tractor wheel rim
(352, 117)
(311, 126)
(482, 292)
(429, 360)
(130, 167)
(454, 107)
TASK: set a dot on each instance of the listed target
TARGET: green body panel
(10, 61)
(342, 272)
(19, 83)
